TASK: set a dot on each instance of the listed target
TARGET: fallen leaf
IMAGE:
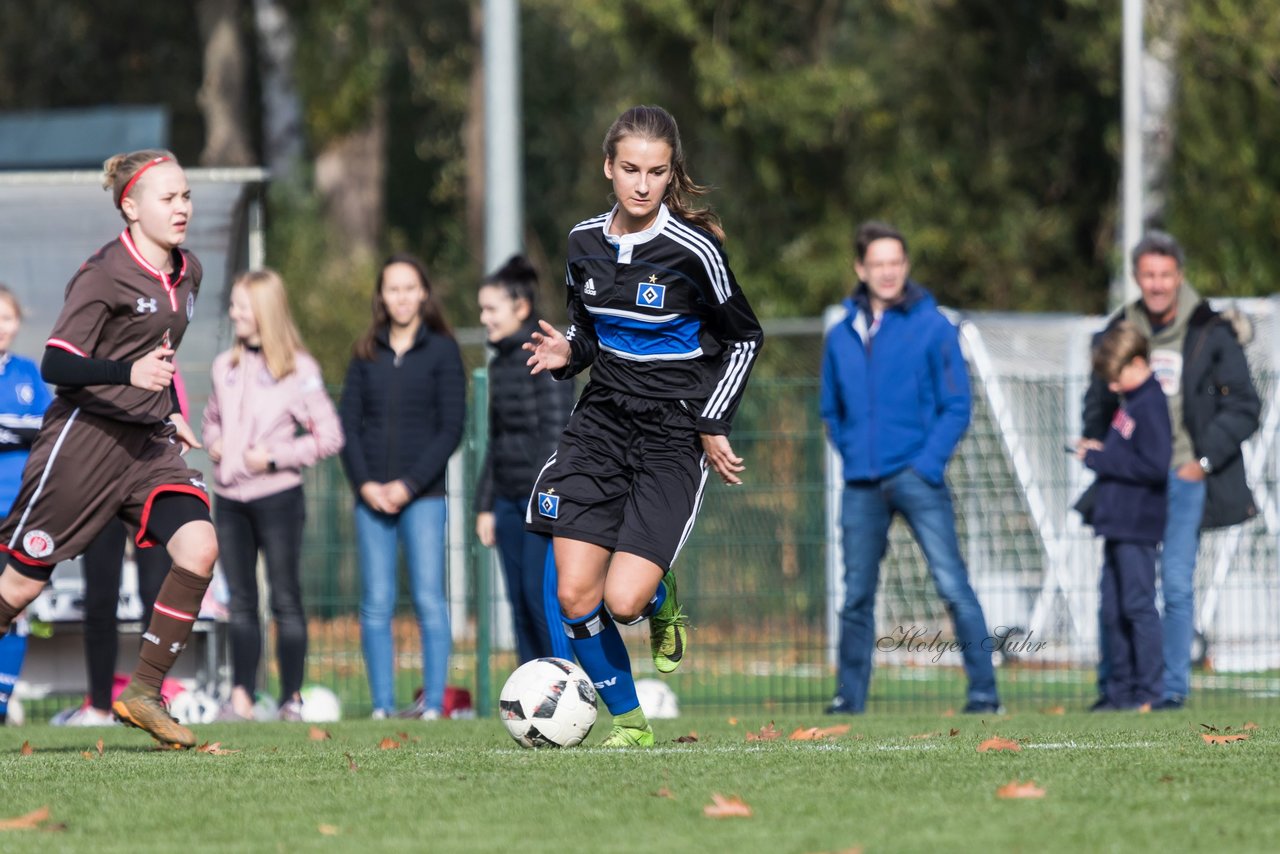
(949, 713)
(214, 749)
(99, 746)
(1016, 789)
(1209, 727)
(733, 721)
(1223, 739)
(691, 738)
(30, 821)
(86, 754)
(27, 749)
(1166, 779)
(351, 763)
(664, 792)
(998, 743)
(388, 744)
(923, 735)
(317, 734)
(838, 729)
(814, 733)
(730, 807)
(954, 732)
(1249, 725)
(766, 733)
(328, 830)
(1054, 710)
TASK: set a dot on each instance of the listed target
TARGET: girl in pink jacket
(267, 418)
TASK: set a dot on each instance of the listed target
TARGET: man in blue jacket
(895, 399)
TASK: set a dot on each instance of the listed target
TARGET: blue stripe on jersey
(639, 340)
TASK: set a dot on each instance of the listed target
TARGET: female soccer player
(654, 306)
(23, 399)
(526, 417)
(403, 406)
(268, 417)
(113, 438)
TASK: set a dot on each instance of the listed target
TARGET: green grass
(1113, 782)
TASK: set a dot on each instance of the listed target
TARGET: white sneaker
(431, 715)
(378, 715)
(89, 716)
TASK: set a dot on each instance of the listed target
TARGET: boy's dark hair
(871, 231)
(1158, 243)
(1119, 346)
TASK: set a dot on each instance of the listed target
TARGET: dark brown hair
(429, 312)
(1119, 346)
(657, 124)
(871, 231)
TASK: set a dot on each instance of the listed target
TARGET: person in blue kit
(23, 399)
(670, 337)
(895, 400)
(526, 415)
(1128, 509)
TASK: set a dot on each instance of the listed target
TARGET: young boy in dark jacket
(1128, 510)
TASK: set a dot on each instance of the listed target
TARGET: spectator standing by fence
(403, 408)
(896, 402)
(268, 418)
(526, 416)
(1198, 357)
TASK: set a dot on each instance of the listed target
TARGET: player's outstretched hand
(154, 371)
(722, 458)
(550, 349)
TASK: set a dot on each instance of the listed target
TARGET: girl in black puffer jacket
(526, 415)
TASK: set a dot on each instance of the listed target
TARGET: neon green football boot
(630, 730)
(668, 633)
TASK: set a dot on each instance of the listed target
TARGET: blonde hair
(1120, 345)
(7, 294)
(120, 170)
(281, 342)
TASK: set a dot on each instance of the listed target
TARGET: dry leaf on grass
(814, 733)
(87, 755)
(99, 746)
(949, 713)
(766, 733)
(998, 743)
(664, 792)
(1016, 789)
(1054, 710)
(923, 735)
(405, 738)
(214, 749)
(730, 807)
(388, 743)
(27, 749)
(351, 763)
(1249, 725)
(954, 732)
(30, 821)
(691, 738)
(1225, 738)
(328, 830)
(733, 721)
(317, 734)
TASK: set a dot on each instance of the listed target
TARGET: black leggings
(273, 525)
(102, 568)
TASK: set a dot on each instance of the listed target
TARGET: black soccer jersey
(119, 307)
(659, 314)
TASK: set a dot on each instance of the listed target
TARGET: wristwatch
(1206, 466)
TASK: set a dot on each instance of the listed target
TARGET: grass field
(892, 783)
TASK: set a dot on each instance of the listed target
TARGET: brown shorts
(83, 470)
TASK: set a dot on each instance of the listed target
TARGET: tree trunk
(1159, 88)
(223, 95)
(282, 126)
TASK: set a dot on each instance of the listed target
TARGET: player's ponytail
(656, 123)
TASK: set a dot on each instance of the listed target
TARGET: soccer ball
(320, 705)
(657, 700)
(548, 702)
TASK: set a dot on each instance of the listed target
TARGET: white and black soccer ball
(657, 700)
(548, 702)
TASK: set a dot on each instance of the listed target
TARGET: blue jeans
(1177, 581)
(524, 562)
(867, 511)
(420, 529)
(1131, 623)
